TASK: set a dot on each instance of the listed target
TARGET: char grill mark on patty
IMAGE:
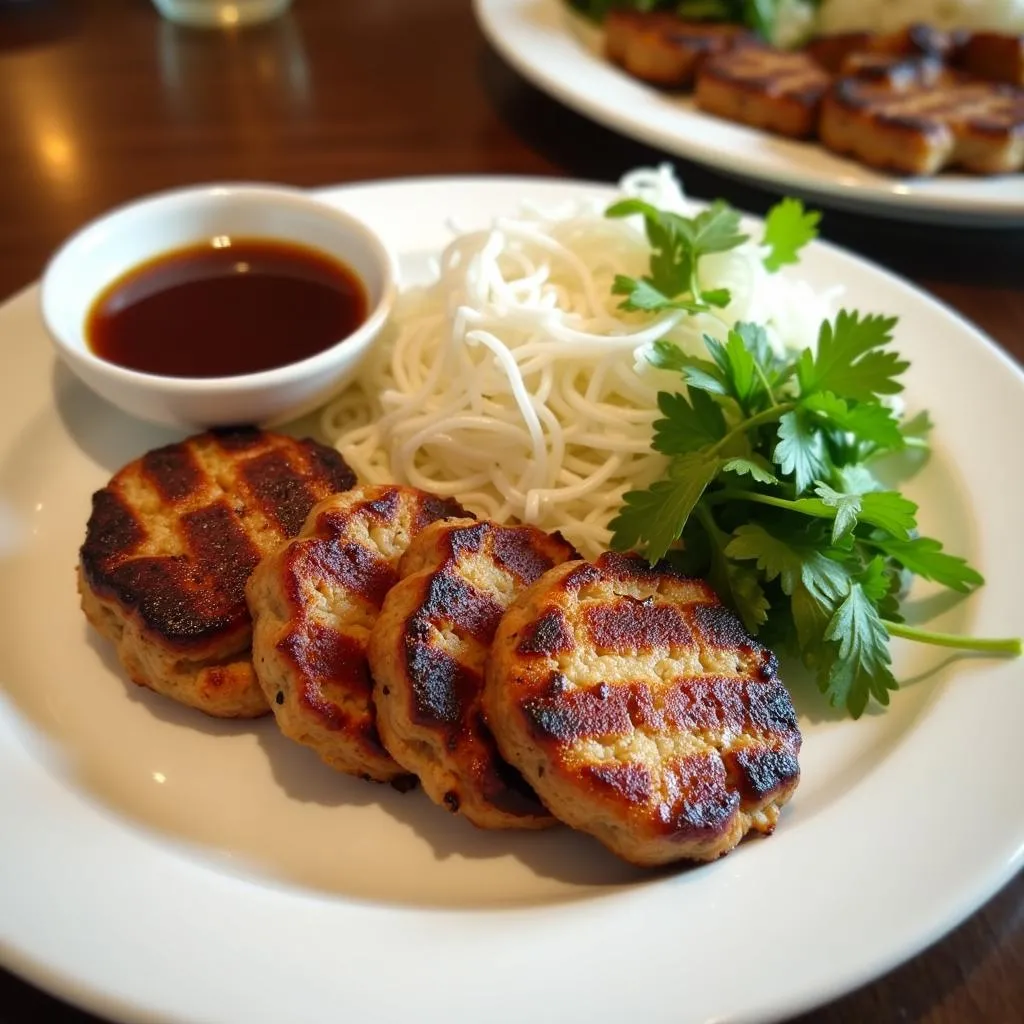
(174, 536)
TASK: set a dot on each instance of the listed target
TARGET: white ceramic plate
(560, 52)
(158, 863)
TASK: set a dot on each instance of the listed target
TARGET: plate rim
(971, 896)
(898, 201)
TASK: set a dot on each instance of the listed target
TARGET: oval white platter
(560, 53)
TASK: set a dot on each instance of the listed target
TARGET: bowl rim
(287, 373)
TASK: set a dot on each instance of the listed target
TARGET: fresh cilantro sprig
(678, 243)
(763, 16)
(787, 229)
(769, 490)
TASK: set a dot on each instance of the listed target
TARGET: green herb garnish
(787, 229)
(770, 491)
(762, 16)
(677, 244)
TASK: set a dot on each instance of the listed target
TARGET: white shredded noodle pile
(514, 383)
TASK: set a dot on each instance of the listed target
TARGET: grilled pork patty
(641, 712)
(920, 123)
(427, 654)
(777, 90)
(170, 544)
(314, 603)
(664, 50)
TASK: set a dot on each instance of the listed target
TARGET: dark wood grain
(103, 102)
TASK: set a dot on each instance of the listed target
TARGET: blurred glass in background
(220, 13)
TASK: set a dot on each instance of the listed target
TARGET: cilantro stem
(916, 443)
(764, 381)
(776, 412)
(717, 537)
(738, 494)
(1009, 646)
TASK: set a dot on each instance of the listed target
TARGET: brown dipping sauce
(219, 311)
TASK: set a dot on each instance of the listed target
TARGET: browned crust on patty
(831, 51)
(993, 56)
(914, 126)
(641, 711)
(777, 90)
(948, 115)
(170, 543)
(662, 49)
(313, 604)
(428, 650)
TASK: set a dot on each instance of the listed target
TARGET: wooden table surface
(104, 101)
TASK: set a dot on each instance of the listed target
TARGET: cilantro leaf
(875, 580)
(595, 10)
(888, 510)
(742, 366)
(924, 557)
(869, 421)
(677, 244)
(800, 450)
(919, 426)
(753, 465)
(860, 668)
(857, 478)
(846, 506)
(755, 337)
(628, 207)
(716, 229)
(774, 556)
(657, 516)
(698, 373)
(713, 10)
(849, 360)
(672, 261)
(737, 365)
(788, 228)
(889, 603)
(689, 423)
(667, 355)
(810, 617)
(814, 583)
(792, 562)
(719, 297)
(740, 588)
(705, 375)
(643, 295)
(759, 15)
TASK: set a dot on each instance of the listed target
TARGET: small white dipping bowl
(119, 241)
